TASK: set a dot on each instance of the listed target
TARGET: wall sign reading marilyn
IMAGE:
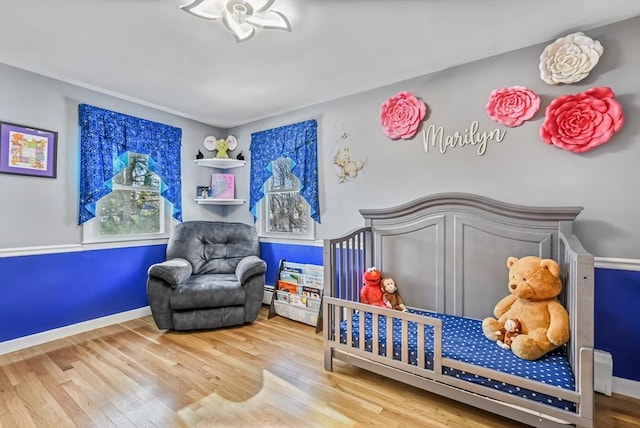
(434, 137)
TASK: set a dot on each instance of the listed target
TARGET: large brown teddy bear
(534, 284)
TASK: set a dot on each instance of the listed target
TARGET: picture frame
(203, 192)
(25, 150)
(222, 186)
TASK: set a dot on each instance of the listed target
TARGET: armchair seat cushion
(208, 291)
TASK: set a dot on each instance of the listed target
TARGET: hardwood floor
(268, 374)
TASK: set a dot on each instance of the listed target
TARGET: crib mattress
(463, 340)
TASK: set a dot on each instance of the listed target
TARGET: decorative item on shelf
(512, 106)
(199, 155)
(210, 143)
(221, 147)
(401, 115)
(203, 192)
(569, 59)
(240, 17)
(222, 186)
(583, 121)
(240, 156)
(232, 142)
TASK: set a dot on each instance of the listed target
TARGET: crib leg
(328, 359)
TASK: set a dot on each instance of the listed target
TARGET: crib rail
(335, 311)
(345, 260)
(577, 267)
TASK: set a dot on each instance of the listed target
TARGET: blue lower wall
(617, 330)
(44, 292)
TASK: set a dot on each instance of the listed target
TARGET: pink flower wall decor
(583, 121)
(512, 106)
(401, 115)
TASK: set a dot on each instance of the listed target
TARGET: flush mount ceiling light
(240, 17)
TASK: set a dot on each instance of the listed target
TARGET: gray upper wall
(521, 169)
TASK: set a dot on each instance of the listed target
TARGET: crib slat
(349, 317)
(421, 346)
(437, 349)
(389, 338)
(405, 343)
(375, 346)
(361, 331)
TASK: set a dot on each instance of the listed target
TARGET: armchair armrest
(250, 266)
(173, 271)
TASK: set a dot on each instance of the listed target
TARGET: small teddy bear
(222, 146)
(391, 297)
(511, 330)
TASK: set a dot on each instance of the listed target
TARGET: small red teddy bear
(371, 293)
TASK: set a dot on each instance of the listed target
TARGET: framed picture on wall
(26, 150)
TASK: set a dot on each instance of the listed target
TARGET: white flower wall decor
(569, 59)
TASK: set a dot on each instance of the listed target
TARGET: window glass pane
(288, 213)
(284, 212)
(282, 178)
(129, 212)
(137, 173)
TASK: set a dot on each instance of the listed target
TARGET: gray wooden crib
(447, 253)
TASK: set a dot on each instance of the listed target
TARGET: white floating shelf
(220, 163)
(213, 201)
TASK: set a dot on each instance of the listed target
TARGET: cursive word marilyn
(433, 137)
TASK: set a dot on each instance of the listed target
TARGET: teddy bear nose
(513, 286)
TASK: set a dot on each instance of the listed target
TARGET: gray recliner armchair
(213, 277)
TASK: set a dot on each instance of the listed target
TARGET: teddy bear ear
(511, 261)
(552, 266)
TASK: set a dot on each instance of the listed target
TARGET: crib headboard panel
(448, 252)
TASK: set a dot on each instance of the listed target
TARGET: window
(134, 209)
(283, 187)
(130, 179)
(284, 212)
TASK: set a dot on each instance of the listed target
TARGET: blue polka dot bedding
(463, 340)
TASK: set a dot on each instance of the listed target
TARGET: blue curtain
(299, 142)
(105, 139)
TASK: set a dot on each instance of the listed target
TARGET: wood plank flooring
(267, 374)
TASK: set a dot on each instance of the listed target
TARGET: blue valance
(106, 136)
(299, 142)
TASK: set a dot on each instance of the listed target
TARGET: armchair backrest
(213, 246)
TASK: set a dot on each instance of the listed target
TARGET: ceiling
(152, 53)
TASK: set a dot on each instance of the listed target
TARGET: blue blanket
(463, 340)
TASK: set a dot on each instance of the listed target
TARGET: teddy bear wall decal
(347, 168)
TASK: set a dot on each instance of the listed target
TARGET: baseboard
(69, 330)
(630, 388)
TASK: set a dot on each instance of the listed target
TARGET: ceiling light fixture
(240, 17)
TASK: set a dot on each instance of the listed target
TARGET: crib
(447, 253)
